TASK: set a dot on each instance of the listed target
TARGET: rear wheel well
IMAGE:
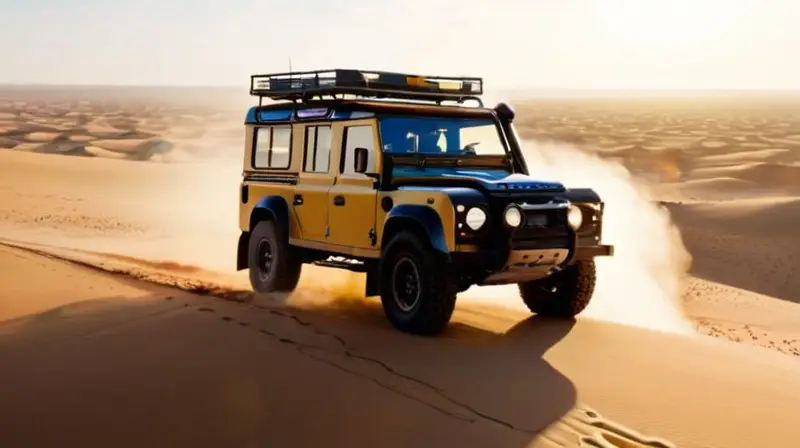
(260, 214)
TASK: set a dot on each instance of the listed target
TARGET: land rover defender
(413, 181)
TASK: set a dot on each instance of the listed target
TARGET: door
(310, 199)
(352, 200)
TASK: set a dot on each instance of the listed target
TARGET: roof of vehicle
(330, 110)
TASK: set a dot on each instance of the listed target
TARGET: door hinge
(327, 231)
(373, 237)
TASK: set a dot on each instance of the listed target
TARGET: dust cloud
(198, 211)
(641, 284)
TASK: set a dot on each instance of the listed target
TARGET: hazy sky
(512, 43)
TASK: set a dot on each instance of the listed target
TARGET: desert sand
(123, 322)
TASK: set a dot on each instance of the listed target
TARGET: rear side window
(318, 149)
(272, 147)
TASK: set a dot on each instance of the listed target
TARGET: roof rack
(304, 86)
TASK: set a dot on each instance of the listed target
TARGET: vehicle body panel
(350, 214)
(419, 205)
(310, 205)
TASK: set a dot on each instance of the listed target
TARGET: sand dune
(6, 143)
(513, 411)
(105, 153)
(728, 152)
(120, 286)
(82, 138)
(750, 244)
(741, 157)
(140, 132)
(722, 132)
(763, 174)
(42, 136)
(245, 388)
(717, 188)
(743, 316)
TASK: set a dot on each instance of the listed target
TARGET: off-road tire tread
(289, 266)
(574, 298)
(439, 291)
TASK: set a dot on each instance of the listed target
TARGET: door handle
(338, 201)
(298, 199)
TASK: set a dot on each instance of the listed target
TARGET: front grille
(534, 233)
(541, 229)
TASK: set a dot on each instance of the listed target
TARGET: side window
(358, 137)
(318, 149)
(272, 148)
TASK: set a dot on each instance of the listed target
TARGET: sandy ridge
(580, 426)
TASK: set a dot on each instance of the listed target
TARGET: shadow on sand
(498, 383)
(501, 375)
(136, 372)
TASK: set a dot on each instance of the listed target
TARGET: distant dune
(718, 149)
(89, 122)
(763, 175)
(741, 157)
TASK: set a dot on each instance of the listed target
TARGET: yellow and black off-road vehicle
(398, 176)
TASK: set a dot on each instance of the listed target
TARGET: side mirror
(361, 156)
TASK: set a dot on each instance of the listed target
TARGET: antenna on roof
(290, 76)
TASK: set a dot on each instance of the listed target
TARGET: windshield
(441, 135)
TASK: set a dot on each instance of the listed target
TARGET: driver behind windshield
(432, 135)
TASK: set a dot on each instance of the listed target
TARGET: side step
(343, 263)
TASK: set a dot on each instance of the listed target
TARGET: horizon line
(513, 89)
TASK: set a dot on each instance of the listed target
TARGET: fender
(273, 208)
(406, 216)
(580, 195)
(421, 216)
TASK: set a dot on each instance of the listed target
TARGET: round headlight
(475, 218)
(574, 217)
(513, 217)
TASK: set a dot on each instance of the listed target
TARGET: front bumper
(600, 250)
(526, 265)
(533, 250)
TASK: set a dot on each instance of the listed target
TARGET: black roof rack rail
(306, 85)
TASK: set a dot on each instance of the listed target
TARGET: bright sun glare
(668, 25)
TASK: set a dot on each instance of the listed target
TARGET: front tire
(418, 295)
(273, 266)
(561, 295)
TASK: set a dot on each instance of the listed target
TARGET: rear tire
(273, 266)
(561, 295)
(418, 294)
